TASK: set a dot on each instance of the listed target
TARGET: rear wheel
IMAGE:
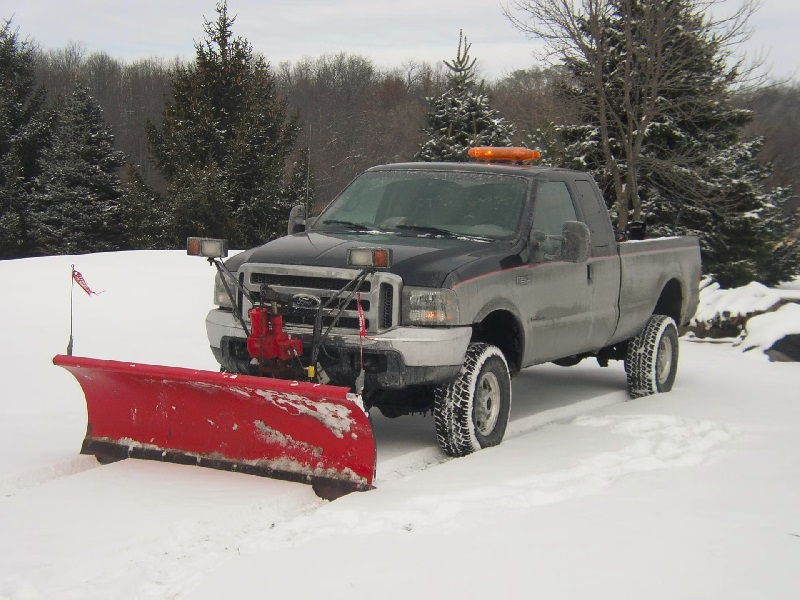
(472, 412)
(652, 358)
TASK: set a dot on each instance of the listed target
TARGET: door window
(596, 215)
(552, 207)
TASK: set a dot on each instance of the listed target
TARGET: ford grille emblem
(306, 302)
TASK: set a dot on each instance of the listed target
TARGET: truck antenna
(308, 180)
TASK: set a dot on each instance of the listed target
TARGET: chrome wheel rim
(487, 403)
(664, 360)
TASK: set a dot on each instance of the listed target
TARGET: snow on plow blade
(304, 432)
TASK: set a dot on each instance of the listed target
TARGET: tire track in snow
(413, 462)
(658, 442)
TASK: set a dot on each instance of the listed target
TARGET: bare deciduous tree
(631, 76)
(355, 114)
(531, 100)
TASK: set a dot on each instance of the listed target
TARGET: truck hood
(420, 261)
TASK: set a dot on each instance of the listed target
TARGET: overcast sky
(390, 32)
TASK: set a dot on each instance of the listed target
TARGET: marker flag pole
(71, 289)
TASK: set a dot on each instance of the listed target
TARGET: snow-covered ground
(691, 494)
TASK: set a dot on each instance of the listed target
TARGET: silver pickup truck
(468, 273)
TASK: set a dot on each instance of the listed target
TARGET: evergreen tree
(199, 205)
(301, 182)
(747, 237)
(76, 200)
(462, 117)
(24, 128)
(141, 213)
(694, 174)
(224, 143)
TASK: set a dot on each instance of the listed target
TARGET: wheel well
(502, 329)
(670, 301)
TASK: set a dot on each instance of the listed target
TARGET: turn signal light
(492, 153)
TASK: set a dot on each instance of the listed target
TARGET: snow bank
(718, 306)
(751, 316)
(763, 331)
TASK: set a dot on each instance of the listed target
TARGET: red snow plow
(317, 434)
(284, 424)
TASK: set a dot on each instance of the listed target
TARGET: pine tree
(199, 205)
(749, 234)
(24, 130)
(694, 174)
(224, 143)
(141, 213)
(462, 117)
(76, 198)
(301, 182)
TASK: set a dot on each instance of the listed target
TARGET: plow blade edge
(318, 434)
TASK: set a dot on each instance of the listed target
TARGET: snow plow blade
(305, 432)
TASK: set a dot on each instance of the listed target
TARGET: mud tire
(472, 412)
(651, 361)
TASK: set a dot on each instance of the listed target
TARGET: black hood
(420, 261)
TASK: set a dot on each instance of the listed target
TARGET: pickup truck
(474, 271)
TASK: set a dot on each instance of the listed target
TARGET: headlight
(429, 306)
(221, 297)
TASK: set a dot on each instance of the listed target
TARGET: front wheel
(652, 358)
(472, 412)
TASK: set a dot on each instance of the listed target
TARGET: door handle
(589, 272)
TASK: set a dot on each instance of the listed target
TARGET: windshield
(429, 203)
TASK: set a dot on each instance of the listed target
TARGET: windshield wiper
(350, 224)
(428, 229)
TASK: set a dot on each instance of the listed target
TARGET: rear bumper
(414, 355)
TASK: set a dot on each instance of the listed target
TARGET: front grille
(301, 281)
(338, 303)
(377, 294)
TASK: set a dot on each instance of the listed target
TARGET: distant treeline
(357, 115)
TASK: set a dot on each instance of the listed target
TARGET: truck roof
(479, 167)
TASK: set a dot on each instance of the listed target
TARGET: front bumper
(413, 355)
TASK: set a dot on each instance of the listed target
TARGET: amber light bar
(492, 153)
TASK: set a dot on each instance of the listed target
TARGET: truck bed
(646, 268)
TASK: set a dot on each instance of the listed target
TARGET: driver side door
(559, 297)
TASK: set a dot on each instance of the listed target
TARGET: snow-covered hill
(691, 494)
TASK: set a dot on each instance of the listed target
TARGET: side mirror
(297, 219)
(637, 230)
(575, 242)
